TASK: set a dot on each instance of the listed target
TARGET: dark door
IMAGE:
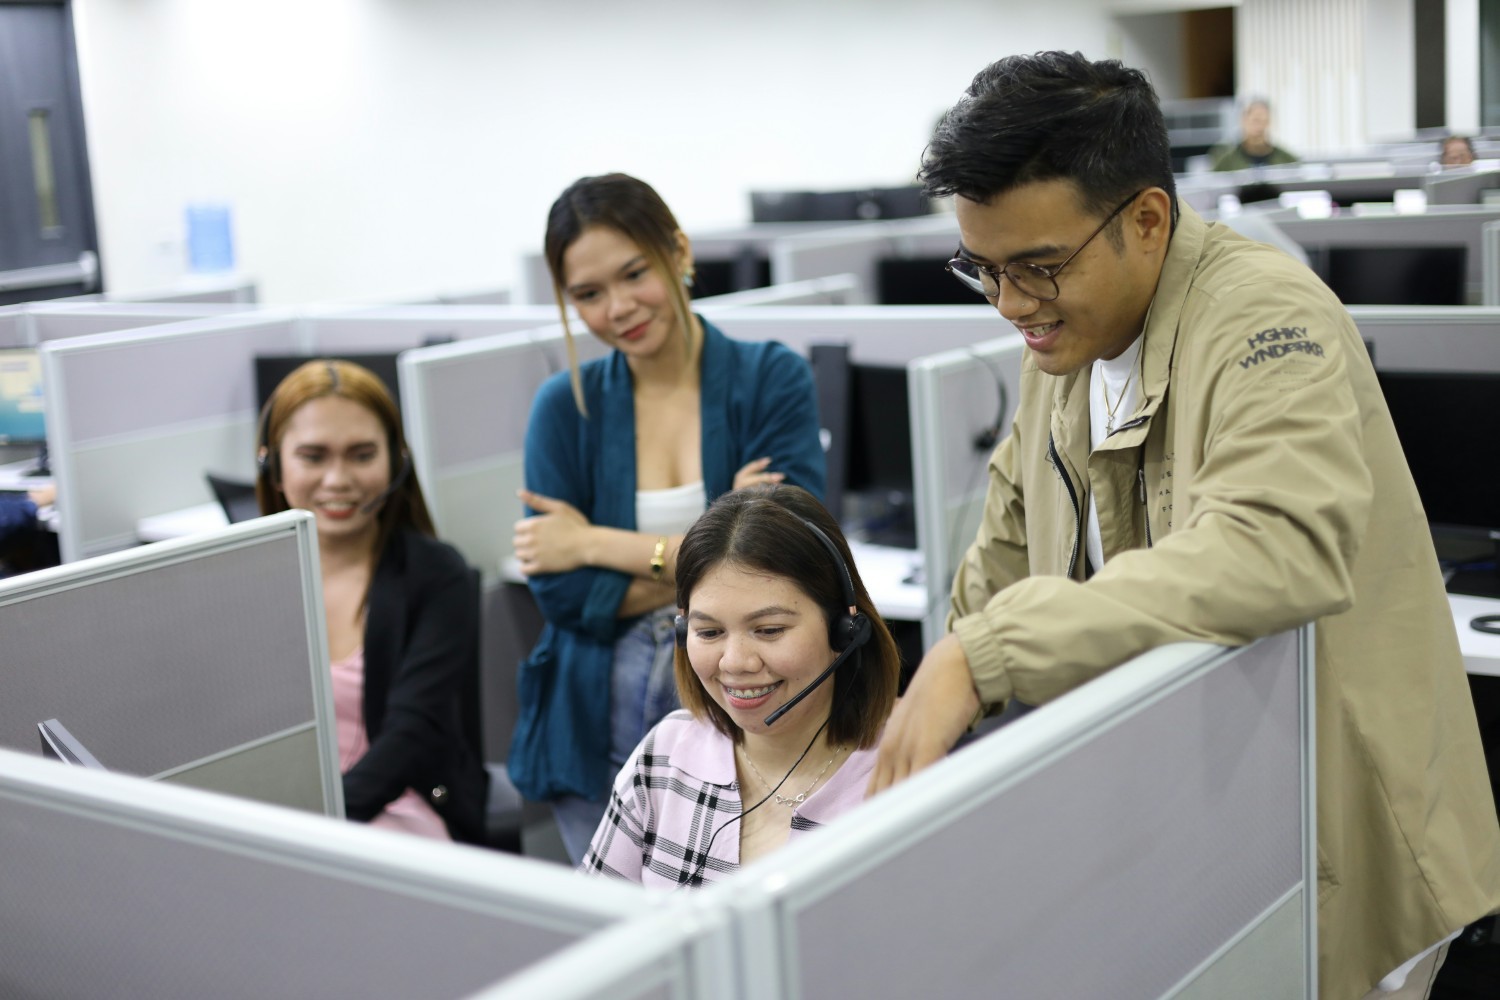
(48, 246)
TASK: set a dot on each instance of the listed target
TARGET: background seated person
(402, 607)
(764, 613)
(1255, 148)
(18, 511)
(19, 548)
(1458, 151)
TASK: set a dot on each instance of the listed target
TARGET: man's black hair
(1050, 116)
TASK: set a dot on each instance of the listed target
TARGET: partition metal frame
(940, 449)
(143, 559)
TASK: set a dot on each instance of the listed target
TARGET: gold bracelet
(659, 559)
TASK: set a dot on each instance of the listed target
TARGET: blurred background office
(403, 147)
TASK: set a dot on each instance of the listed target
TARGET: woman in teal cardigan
(622, 454)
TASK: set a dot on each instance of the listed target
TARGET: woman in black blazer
(402, 608)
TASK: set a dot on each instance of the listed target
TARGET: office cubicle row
(1347, 182)
(1198, 760)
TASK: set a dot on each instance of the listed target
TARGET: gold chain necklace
(793, 800)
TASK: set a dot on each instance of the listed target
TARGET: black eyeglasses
(1032, 280)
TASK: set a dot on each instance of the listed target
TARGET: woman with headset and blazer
(771, 609)
(622, 454)
(402, 608)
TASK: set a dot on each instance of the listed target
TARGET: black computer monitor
(920, 281)
(879, 452)
(749, 268)
(1439, 417)
(270, 369)
(1395, 276)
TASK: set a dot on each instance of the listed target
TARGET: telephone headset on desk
(268, 462)
(848, 631)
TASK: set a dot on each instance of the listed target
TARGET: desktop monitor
(22, 419)
(270, 369)
(749, 268)
(1396, 275)
(1439, 415)
(879, 452)
(919, 281)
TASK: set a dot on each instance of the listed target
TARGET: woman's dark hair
(316, 380)
(1053, 116)
(631, 208)
(761, 529)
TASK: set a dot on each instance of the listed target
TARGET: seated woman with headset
(402, 607)
(770, 607)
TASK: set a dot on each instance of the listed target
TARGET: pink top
(410, 812)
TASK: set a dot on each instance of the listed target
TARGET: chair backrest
(236, 496)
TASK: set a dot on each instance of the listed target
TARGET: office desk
(1480, 649)
(179, 523)
(12, 478)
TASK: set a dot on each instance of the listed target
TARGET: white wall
(402, 148)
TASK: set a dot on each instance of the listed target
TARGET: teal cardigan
(757, 400)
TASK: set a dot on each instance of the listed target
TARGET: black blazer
(421, 682)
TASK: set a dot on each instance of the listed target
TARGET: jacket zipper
(1140, 477)
(1056, 460)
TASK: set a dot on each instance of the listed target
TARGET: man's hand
(555, 540)
(938, 706)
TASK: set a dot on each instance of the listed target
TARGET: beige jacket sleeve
(1272, 493)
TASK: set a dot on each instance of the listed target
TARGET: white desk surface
(883, 569)
(179, 523)
(11, 477)
(1481, 650)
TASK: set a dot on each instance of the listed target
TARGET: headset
(268, 462)
(847, 631)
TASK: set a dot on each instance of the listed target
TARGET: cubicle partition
(834, 290)
(1490, 260)
(201, 662)
(121, 888)
(354, 330)
(1150, 834)
(859, 250)
(1425, 338)
(136, 418)
(1456, 226)
(962, 402)
(60, 322)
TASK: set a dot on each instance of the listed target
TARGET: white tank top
(671, 511)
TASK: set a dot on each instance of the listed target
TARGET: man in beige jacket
(1200, 452)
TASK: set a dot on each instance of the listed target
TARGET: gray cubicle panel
(1460, 186)
(1352, 181)
(399, 328)
(471, 297)
(834, 290)
(136, 418)
(956, 397)
(1432, 338)
(1440, 225)
(116, 887)
(683, 953)
(1490, 235)
(858, 249)
(200, 661)
(205, 288)
(62, 322)
(15, 327)
(1150, 834)
(884, 335)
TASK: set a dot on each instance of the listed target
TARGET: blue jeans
(642, 689)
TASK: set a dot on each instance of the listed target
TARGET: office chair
(235, 496)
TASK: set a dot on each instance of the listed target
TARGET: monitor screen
(879, 462)
(1438, 417)
(22, 419)
(920, 281)
(1397, 276)
(270, 369)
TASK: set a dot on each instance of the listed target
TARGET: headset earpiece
(680, 627)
